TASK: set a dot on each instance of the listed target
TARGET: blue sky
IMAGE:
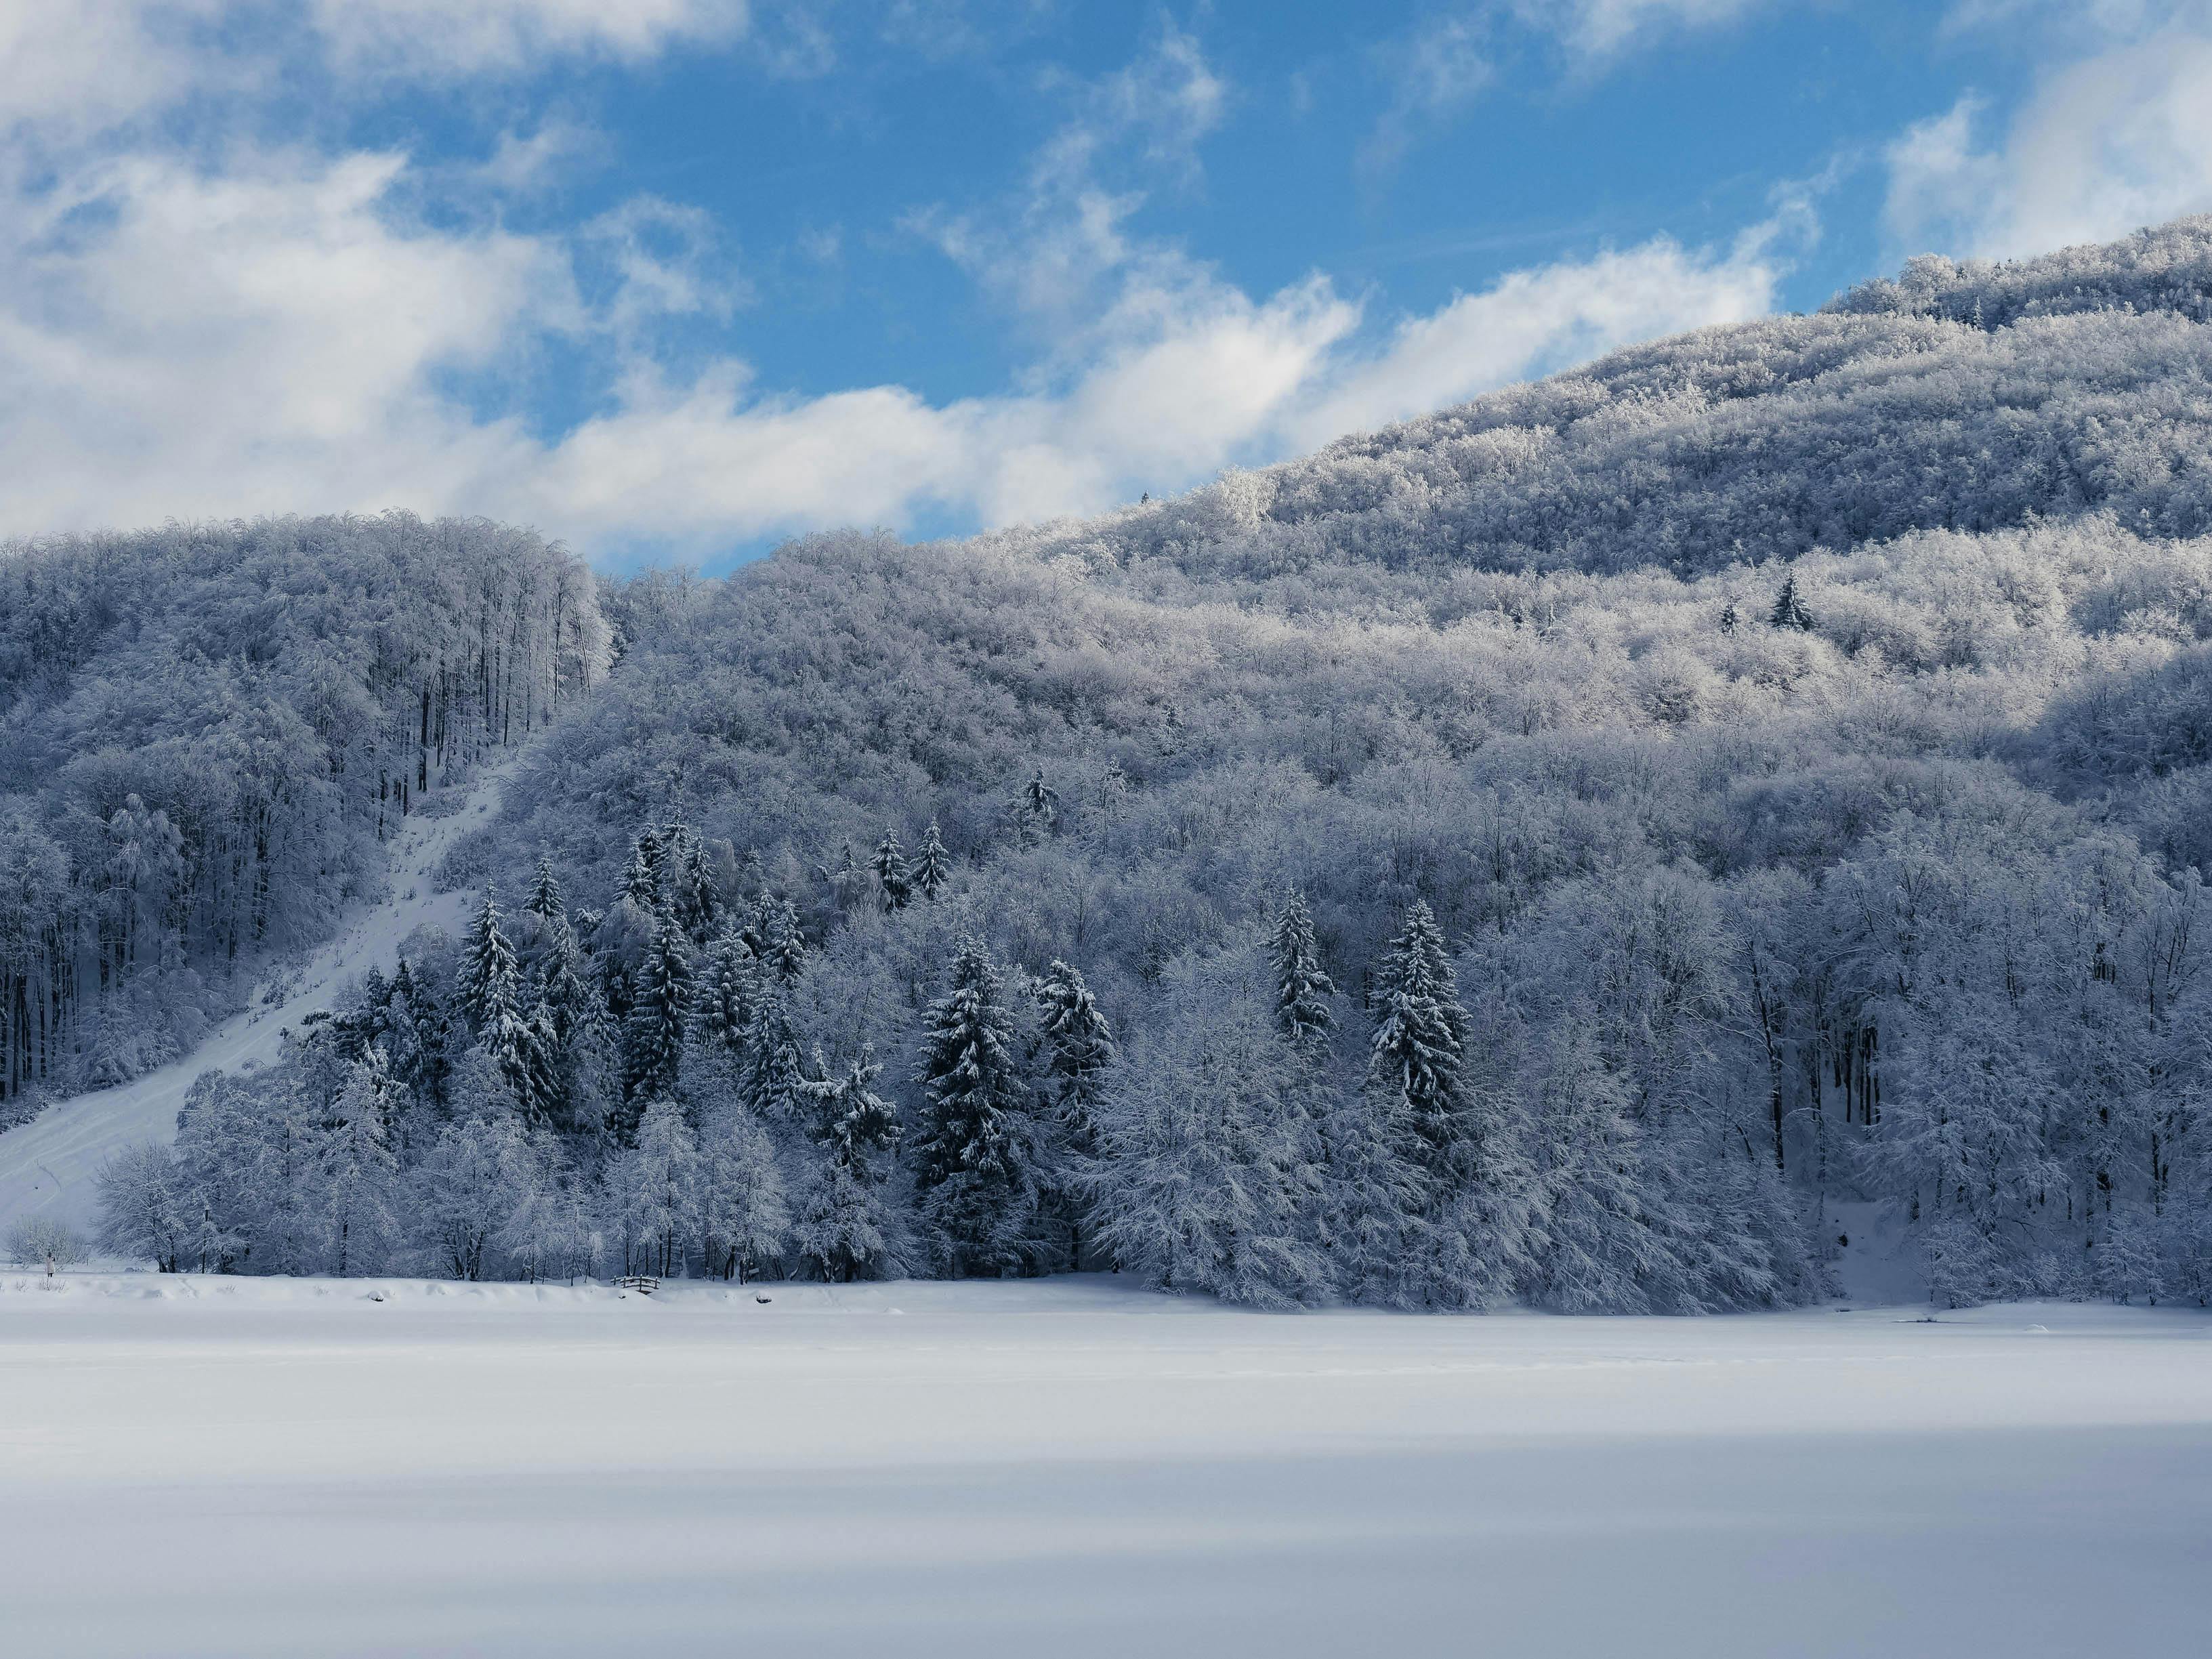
(677, 278)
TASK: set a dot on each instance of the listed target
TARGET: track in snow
(50, 1165)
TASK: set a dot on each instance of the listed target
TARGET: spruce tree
(490, 978)
(640, 876)
(782, 949)
(972, 1174)
(1037, 808)
(891, 875)
(726, 992)
(933, 868)
(1789, 609)
(845, 1230)
(545, 898)
(1302, 1014)
(659, 1013)
(772, 1077)
(1414, 1065)
(491, 1001)
(1080, 1046)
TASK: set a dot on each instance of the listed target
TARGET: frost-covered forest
(207, 732)
(1551, 851)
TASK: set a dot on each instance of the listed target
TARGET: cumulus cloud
(279, 337)
(2110, 142)
(272, 329)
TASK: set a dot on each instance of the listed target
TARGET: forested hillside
(207, 732)
(1552, 851)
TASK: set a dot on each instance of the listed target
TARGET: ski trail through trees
(50, 1165)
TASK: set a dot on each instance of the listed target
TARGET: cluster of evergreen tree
(630, 1090)
(207, 732)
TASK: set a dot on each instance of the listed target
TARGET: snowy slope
(48, 1166)
(254, 1467)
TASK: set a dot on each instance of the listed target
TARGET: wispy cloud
(2110, 140)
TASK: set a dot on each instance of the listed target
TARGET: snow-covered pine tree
(973, 1173)
(847, 1228)
(417, 1038)
(491, 993)
(546, 899)
(772, 1076)
(1079, 1046)
(1303, 990)
(1789, 609)
(660, 1012)
(1037, 808)
(932, 866)
(491, 980)
(782, 949)
(642, 875)
(1414, 1064)
(892, 876)
(688, 883)
(728, 989)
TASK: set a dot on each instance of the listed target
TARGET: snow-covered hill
(50, 1165)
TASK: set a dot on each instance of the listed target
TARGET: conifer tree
(700, 909)
(891, 874)
(933, 868)
(973, 1173)
(1414, 1065)
(1080, 1046)
(659, 1013)
(491, 1000)
(1302, 988)
(1037, 808)
(490, 978)
(782, 949)
(846, 1229)
(640, 876)
(726, 992)
(545, 898)
(1789, 609)
(772, 1079)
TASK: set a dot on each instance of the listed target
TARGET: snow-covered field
(49, 1166)
(289, 1467)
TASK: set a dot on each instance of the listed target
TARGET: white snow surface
(49, 1166)
(198, 1466)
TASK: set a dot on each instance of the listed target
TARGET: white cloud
(280, 337)
(2105, 144)
(448, 39)
(1531, 322)
(279, 331)
(1602, 27)
(1434, 72)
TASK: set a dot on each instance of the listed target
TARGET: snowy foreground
(238, 1466)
